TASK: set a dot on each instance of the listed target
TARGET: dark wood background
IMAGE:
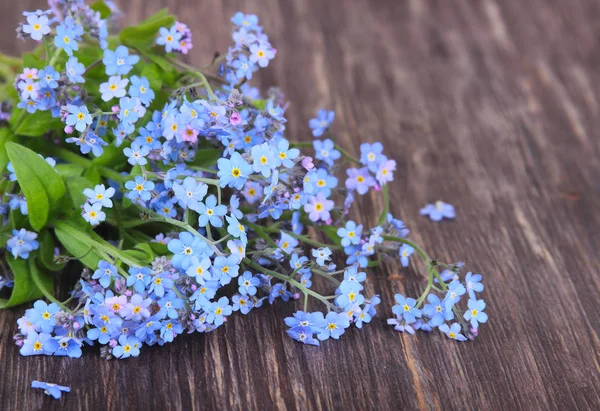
(490, 105)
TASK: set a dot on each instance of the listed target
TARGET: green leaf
(142, 35)
(67, 170)
(30, 60)
(73, 238)
(6, 135)
(24, 289)
(40, 183)
(38, 124)
(259, 104)
(93, 175)
(75, 186)
(153, 73)
(159, 248)
(43, 282)
(111, 157)
(46, 253)
(102, 8)
(206, 157)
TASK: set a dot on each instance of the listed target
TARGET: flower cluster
(177, 38)
(443, 313)
(180, 193)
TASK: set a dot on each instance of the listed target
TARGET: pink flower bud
(307, 163)
(128, 293)
(115, 109)
(296, 296)
(76, 325)
(68, 129)
(113, 343)
(235, 118)
(377, 187)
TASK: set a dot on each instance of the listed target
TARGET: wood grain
(490, 105)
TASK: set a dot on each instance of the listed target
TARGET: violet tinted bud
(307, 163)
(68, 129)
(76, 325)
(235, 119)
(113, 343)
(115, 109)
(296, 296)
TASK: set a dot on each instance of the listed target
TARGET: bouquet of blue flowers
(177, 193)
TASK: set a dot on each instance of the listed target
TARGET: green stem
(386, 206)
(295, 283)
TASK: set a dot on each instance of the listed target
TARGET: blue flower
(475, 312)
(140, 188)
(159, 283)
(79, 117)
(38, 344)
(321, 122)
(438, 211)
(247, 21)
(93, 214)
(350, 234)
(22, 243)
(170, 329)
(139, 278)
(263, 159)
(243, 67)
(303, 319)
(37, 27)
(322, 255)
(169, 305)
(75, 70)
(359, 180)
(370, 155)
(405, 308)
(225, 268)
(325, 151)
(217, 311)
(43, 315)
(353, 275)
(436, 311)
(199, 269)
(169, 38)
(66, 39)
(473, 283)
(104, 273)
(455, 290)
(119, 62)
(233, 172)
(453, 332)
(68, 347)
(186, 247)
(211, 213)
(53, 390)
(333, 326)
(49, 77)
(248, 283)
(303, 335)
(129, 346)
(284, 155)
(349, 294)
(405, 252)
(236, 229)
(100, 194)
(242, 304)
(128, 112)
(114, 87)
(261, 53)
(190, 193)
(136, 154)
(140, 88)
(279, 291)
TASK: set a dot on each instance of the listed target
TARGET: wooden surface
(490, 105)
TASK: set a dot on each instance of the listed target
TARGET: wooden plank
(490, 105)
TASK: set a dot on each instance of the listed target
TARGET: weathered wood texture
(490, 105)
